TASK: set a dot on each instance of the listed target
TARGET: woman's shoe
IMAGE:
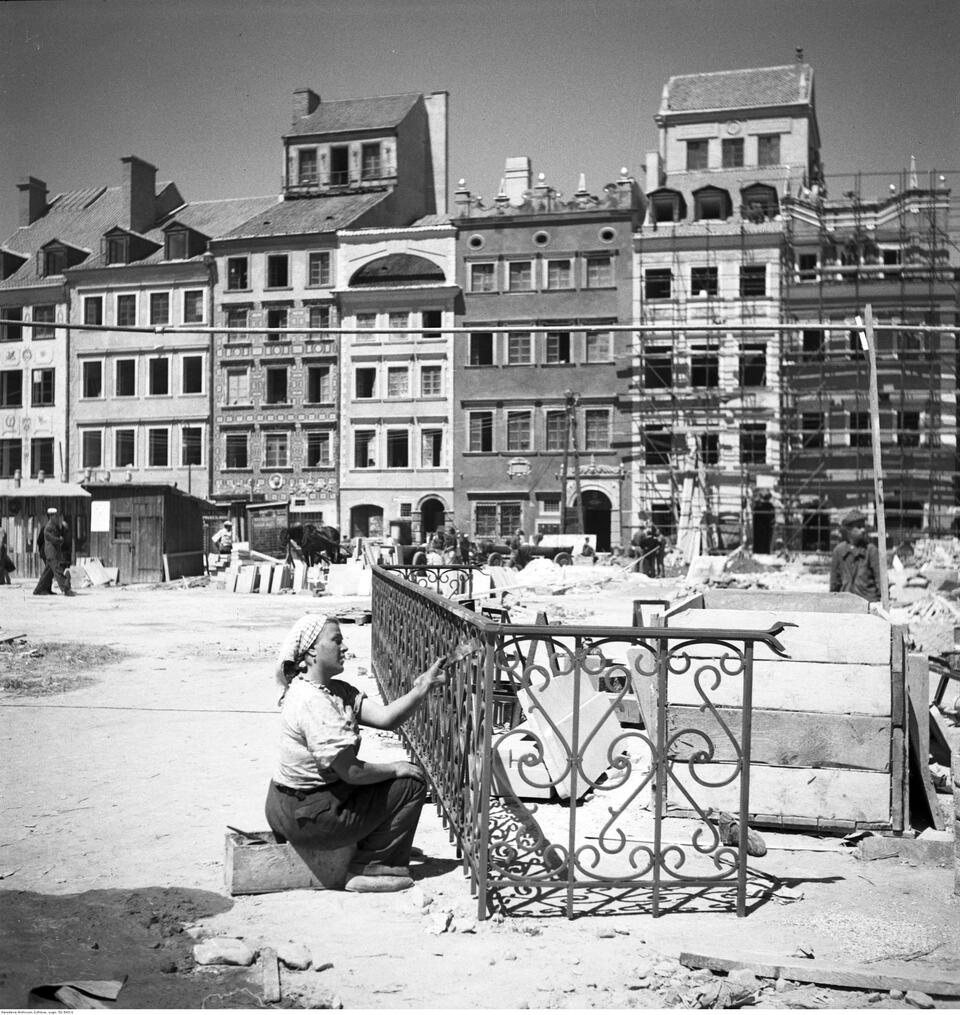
(378, 883)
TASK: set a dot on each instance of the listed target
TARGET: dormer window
(177, 245)
(371, 165)
(339, 165)
(759, 202)
(711, 203)
(116, 249)
(54, 261)
(667, 205)
(307, 166)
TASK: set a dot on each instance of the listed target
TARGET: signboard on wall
(100, 516)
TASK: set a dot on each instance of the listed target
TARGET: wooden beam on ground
(271, 975)
(889, 976)
(927, 852)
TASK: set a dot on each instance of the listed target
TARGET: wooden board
(818, 637)
(888, 976)
(247, 579)
(796, 687)
(823, 793)
(925, 852)
(255, 868)
(923, 806)
(271, 975)
(264, 579)
(801, 602)
(788, 739)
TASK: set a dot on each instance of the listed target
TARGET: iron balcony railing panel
(544, 792)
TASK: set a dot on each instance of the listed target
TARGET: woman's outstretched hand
(437, 675)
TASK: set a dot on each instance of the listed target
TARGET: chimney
(139, 194)
(436, 105)
(305, 102)
(33, 200)
(462, 199)
(516, 177)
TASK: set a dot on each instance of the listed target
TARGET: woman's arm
(365, 773)
(389, 717)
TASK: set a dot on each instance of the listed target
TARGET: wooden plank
(271, 975)
(795, 687)
(925, 852)
(939, 741)
(644, 686)
(786, 739)
(898, 671)
(899, 784)
(247, 579)
(802, 602)
(827, 793)
(264, 579)
(255, 868)
(818, 637)
(889, 976)
(694, 602)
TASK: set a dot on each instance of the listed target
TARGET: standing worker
(54, 538)
(223, 540)
(855, 565)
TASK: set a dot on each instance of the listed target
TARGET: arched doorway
(596, 517)
(366, 520)
(763, 519)
(432, 516)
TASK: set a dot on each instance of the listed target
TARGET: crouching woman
(322, 795)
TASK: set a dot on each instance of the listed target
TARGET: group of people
(649, 545)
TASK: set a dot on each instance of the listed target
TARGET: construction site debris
(271, 975)
(223, 951)
(294, 955)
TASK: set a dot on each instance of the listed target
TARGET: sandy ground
(116, 798)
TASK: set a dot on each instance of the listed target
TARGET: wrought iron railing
(446, 579)
(568, 803)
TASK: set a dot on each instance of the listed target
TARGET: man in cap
(855, 566)
(223, 539)
(54, 537)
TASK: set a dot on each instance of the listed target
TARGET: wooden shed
(23, 512)
(138, 527)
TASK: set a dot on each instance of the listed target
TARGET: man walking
(54, 537)
(855, 565)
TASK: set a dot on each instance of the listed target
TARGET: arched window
(711, 203)
(667, 205)
(759, 202)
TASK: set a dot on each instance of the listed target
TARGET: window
(753, 280)
(339, 165)
(812, 344)
(366, 382)
(41, 456)
(431, 320)
(657, 368)
(12, 332)
(318, 385)
(126, 310)
(768, 150)
(481, 348)
(159, 308)
(318, 449)
(11, 389)
(191, 445)
(91, 449)
(599, 347)
(704, 369)
(236, 451)
(93, 310)
(54, 261)
(555, 421)
(238, 386)
(159, 374)
(370, 166)
(548, 503)
(908, 429)
(599, 272)
(363, 449)
(306, 166)
(753, 444)
(366, 322)
(276, 390)
(520, 276)
(711, 203)
(276, 318)
(807, 267)
(319, 317)
(398, 449)
(496, 519)
(236, 317)
(709, 447)
(11, 456)
(483, 278)
(732, 152)
(122, 528)
(238, 273)
(703, 281)
(158, 447)
(193, 306)
(697, 154)
(519, 347)
(596, 430)
(431, 449)
(560, 274)
(123, 449)
(431, 382)
(125, 378)
(191, 375)
(753, 366)
(398, 382)
(657, 283)
(43, 318)
(811, 429)
(518, 431)
(117, 248)
(395, 321)
(92, 379)
(276, 450)
(481, 431)
(42, 386)
(657, 446)
(177, 244)
(318, 268)
(558, 347)
(278, 274)
(860, 433)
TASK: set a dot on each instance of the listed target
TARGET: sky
(203, 88)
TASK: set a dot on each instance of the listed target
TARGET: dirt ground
(116, 796)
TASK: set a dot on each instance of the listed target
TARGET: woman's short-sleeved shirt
(316, 724)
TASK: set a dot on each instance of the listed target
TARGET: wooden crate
(253, 868)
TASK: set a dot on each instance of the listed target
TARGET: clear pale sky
(203, 88)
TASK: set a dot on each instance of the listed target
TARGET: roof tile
(739, 89)
(342, 116)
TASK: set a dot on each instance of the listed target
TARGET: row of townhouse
(355, 351)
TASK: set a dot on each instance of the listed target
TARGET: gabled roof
(309, 215)
(343, 116)
(791, 84)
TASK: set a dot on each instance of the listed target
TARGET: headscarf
(298, 642)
